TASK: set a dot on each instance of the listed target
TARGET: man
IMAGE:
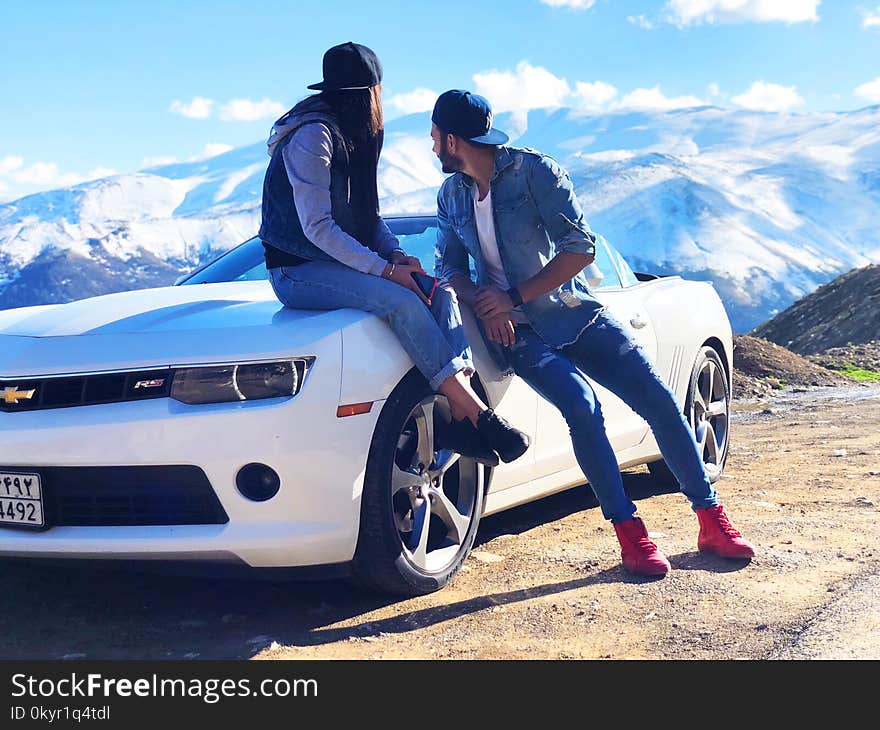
(515, 213)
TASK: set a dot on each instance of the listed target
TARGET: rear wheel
(707, 410)
(421, 505)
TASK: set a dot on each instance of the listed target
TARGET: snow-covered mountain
(767, 206)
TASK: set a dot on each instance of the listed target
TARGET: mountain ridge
(845, 311)
(766, 206)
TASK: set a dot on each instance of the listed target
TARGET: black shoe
(462, 438)
(509, 442)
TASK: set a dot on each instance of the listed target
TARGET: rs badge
(158, 383)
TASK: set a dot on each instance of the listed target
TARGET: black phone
(427, 284)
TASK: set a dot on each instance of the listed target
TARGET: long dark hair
(359, 111)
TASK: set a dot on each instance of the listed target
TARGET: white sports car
(204, 421)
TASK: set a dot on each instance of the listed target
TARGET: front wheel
(421, 505)
(707, 410)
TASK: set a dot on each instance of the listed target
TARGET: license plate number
(21, 499)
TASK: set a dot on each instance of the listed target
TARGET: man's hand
(399, 256)
(490, 302)
(500, 329)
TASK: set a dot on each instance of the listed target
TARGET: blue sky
(93, 87)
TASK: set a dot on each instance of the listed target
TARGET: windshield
(417, 236)
(246, 262)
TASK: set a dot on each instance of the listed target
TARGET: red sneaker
(719, 537)
(639, 554)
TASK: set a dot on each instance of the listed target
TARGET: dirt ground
(544, 582)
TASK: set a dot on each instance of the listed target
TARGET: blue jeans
(606, 353)
(432, 337)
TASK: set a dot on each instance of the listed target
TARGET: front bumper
(313, 520)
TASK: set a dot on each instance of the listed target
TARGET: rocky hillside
(846, 311)
(761, 366)
(830, 337)
(864, 358)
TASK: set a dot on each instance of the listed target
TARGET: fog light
(257, 482)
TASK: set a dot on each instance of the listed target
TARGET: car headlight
(240, 382)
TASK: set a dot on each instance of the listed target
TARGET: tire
(402, 501)
(707, 410)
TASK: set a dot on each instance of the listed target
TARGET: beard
(448, 161)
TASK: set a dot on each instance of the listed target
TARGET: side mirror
(594, 276)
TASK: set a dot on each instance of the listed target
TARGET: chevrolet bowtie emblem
(13, 394)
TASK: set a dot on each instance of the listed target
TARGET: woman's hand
(500, 329)
(402, 274)
(399, 256)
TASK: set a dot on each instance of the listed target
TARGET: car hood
(166, 309)
(175, 325)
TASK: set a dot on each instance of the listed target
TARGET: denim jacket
(536, 216)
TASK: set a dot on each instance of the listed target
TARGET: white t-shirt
(489, 246)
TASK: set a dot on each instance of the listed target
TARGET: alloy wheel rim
(433, 493)
(710, 414)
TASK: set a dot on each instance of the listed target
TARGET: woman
(328, 248)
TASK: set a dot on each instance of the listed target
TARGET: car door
(510, 396)
(553, 449)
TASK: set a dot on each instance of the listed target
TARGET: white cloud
(236, 110)
(245, 110)
(574, 4)
(198, 108)
(654, 98)
(100, 172)
(870, 91)
(10, 163)
(18, 179)
(530, 87)
(766, 97)
(159, 160)
(695, 12)
(871, 19)
(714, 89)
(37, 173)
(212, 149)
(413, 102)
(534, 87)
(641, 21)
(593, 96)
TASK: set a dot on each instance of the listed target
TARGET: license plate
(21, 500)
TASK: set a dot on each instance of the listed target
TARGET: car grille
(79, 496)
(35, 394)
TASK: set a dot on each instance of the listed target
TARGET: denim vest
(280, 224)
(537, 215)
